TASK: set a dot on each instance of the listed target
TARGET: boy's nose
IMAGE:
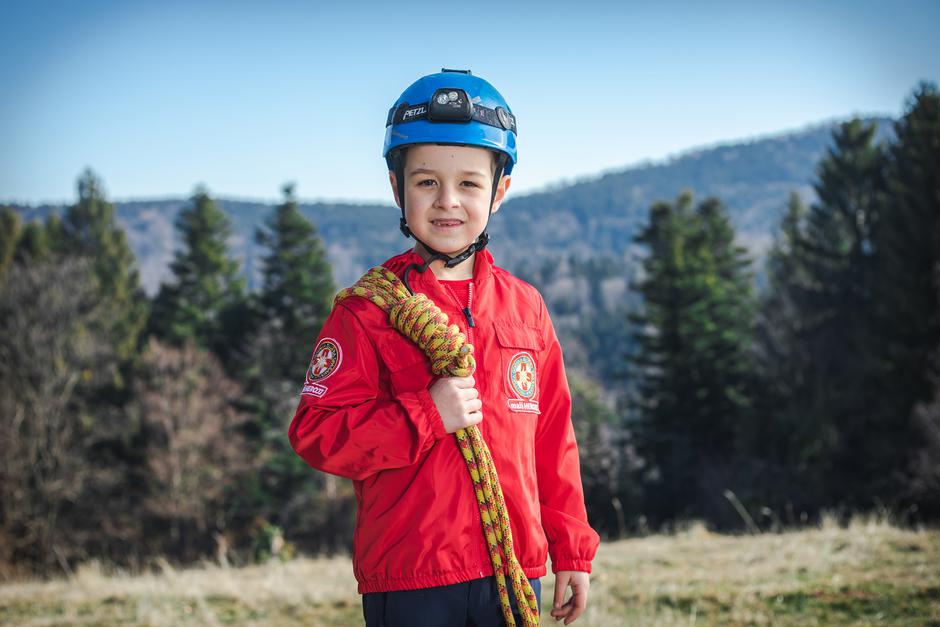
(447, 197)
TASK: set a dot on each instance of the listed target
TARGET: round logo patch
(326, 359)
(522, 376)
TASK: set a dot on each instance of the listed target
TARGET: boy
(373, 411)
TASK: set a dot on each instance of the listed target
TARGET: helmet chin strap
(449, 262)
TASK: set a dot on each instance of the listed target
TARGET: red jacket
(365, 413)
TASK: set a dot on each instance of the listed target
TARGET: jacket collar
(428, 284)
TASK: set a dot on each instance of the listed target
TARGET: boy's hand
(457, 401)
(579, 582)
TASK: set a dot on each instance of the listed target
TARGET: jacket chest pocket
(520, 347)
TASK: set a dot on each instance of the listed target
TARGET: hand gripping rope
(419, 319)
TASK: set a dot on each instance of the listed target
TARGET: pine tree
(907, 247)
(788, 450)
(32, 244)
(55, 233)
(835, 307)
(10, 227)
(821, 342)
(925, 463)
(298, 283)
(294, 302)
(692, 358)
(662, 440)
(90, 229)
(205, 284)
(725, 313)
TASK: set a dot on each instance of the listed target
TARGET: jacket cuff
(571, 564)
(434, 417)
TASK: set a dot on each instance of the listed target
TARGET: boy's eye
(470, 184)
(426, 182)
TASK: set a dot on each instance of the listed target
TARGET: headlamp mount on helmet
(452, 105)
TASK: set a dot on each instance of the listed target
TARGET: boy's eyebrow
(426, 171)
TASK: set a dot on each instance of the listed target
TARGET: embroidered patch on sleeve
(523, 380)
(326, 360)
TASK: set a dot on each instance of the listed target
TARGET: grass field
(869, 573)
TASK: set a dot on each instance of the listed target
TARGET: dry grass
(301, 592)
(868, 573)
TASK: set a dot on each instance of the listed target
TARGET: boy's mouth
(446, 223)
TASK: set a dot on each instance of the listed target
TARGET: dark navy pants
(472, 603)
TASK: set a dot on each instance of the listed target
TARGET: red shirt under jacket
(365, 413)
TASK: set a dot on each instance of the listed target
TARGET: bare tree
(196, 454)
(50, 346)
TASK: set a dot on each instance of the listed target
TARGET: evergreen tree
(907, 246)
(851, 318)
(55, 232)
(294, 302)
(692, 358)
(298, 283)
(925, 462)
(90, 229)
(835, 306)
(788, 450)
(725, 313)
(32, 244)
(10, 227)
(205, 284)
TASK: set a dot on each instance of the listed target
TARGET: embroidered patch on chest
(326, 360)
(523, 380)
(522, 375)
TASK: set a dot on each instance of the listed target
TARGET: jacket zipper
(467, 313)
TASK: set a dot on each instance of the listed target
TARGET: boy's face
(447, 194)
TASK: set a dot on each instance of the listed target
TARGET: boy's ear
(394, 182)
(501, 190)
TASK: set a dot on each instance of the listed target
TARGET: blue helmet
(451, 107)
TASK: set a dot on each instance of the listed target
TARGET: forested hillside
(574, 241)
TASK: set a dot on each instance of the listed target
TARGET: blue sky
(158, 97)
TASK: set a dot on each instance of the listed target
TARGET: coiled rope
(420, 320)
